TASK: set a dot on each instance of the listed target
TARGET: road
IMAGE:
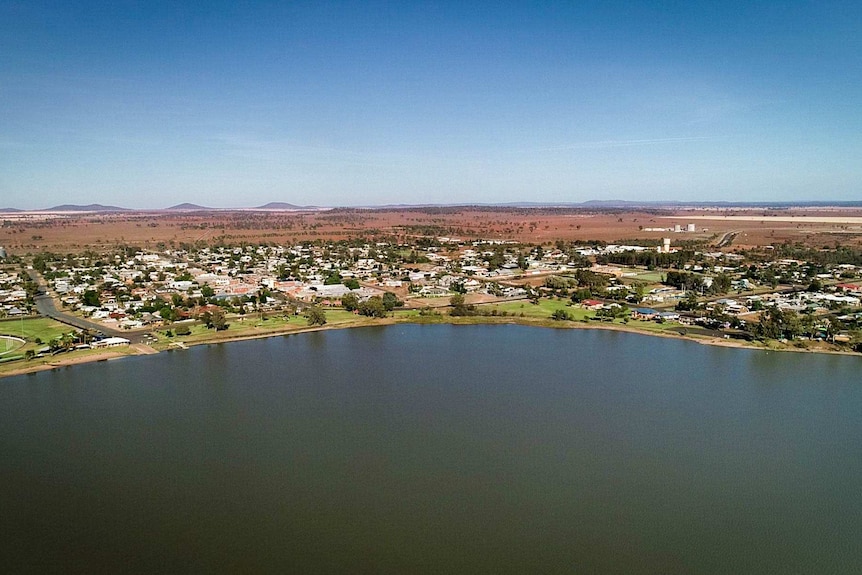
(45, 306)
(727, 239)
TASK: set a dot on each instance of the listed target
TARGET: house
(644, 313)
(110, 342)
(592, 304)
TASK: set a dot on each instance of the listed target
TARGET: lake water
(437, 449)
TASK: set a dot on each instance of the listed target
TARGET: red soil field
(75, 232)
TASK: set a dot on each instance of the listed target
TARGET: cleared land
(79, 232)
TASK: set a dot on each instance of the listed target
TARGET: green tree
(168, 313)
(373, 307)
(688, 303)
(776, 323)
(218, 319)
(580, 295)
(91, 298)
(721, 283)
(391, 301)
(334, 278)
(350, 301)
(562, 315)
(457, 301)
(315, 315)
(460, 307)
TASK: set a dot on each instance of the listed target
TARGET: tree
(562, 315)
(580, 295)
(688, 303)
(334, 278)
(496, 259)
(776, 323)
(391, 301)
(169, 314)
(350, 301)
(91, 298)
(459, 306)
(373, 307)
(351, 283)
(721, 283)
(219, 320)
(315, 315)
(638, 296)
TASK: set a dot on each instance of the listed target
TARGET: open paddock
(162, 230)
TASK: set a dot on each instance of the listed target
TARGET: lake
(437, 449)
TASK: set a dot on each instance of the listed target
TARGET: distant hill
(87, 208)
(10, 210)
(187, 207)
(279, 206)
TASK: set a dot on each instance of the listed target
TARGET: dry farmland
(71, 232)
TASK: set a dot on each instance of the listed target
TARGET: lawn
(43, 328)
(253, 325)
(642, 275)
(542, 310)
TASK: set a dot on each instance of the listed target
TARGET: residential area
(787, 294)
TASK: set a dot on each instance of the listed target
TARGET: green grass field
(43, 328)
(253, 325)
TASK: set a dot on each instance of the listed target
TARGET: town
(783, 296)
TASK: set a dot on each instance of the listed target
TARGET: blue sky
(148, 104)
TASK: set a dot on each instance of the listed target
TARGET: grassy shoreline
(517, 313)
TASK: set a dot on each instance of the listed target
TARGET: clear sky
(149, 104)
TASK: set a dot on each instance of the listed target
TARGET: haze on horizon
(151, 104)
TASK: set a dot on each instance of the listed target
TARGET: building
(644, 313)
(110, 342)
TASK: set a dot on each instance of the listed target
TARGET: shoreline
(389, 321)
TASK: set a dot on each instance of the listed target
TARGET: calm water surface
(438, 449)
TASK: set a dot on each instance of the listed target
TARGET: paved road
(727, 239)
(45, 306)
